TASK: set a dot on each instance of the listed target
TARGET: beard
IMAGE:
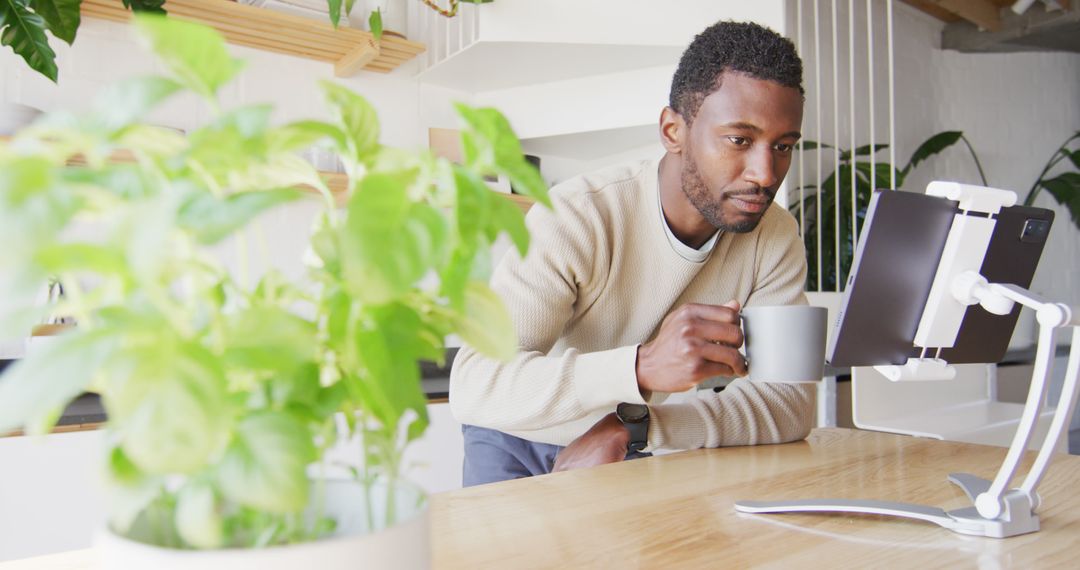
(712, 207)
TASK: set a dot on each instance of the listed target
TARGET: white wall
(51, 499)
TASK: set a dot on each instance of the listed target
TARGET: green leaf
(265, 465)
(129, 490)
(932, 146)
(147, 6)
(1065, 188)
(194, 53)
(455, 275)
(358, 117)
(280, 171)
(1074, 157)
(335, 11)
(269, 338)
(152, 141)
(125, 181)
(62, 257)
(473, 202)
(36, 388)
(388, 342)
(326, 244)
(24, 32)
(486, 324)
(302, 134)
(864, 151)
(490, 145)
(814, 145)
(61, 16)
(507, 217)
(211, 219)
(299, 386)
(526, 179)
(882, 172)
(129, 100)
(375, 24)
(388, 242)
(167, 400)
(198, 517)
(24, 179)
(233, 144)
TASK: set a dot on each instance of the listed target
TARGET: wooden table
(676, 511)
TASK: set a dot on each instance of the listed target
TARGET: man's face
(738, 150)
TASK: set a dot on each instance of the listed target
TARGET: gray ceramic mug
(785, 343)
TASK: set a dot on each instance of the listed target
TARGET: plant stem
(1054, 159)
(975, 157)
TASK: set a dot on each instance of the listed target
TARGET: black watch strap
(636, 419)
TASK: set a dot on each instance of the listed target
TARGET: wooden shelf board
(280, 33)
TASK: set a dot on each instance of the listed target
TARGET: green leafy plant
(806, 209)
(1064, 187)
(23, 24)
(221, 394)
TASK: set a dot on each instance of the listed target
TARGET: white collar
(686, 252)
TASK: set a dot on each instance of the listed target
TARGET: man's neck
(684, 219)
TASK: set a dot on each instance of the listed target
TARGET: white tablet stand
(999, 511)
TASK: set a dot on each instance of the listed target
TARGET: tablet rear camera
(1035, 231)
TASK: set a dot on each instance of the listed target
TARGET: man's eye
(739, 141)
(784, 148)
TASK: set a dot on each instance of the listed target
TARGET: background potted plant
(222, 394)
(806, 209)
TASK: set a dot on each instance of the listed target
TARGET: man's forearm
(745, 413)
(533, 391)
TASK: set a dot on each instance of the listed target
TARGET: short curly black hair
(728, 46)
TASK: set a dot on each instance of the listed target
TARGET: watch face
(632, 413)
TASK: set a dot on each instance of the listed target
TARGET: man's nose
(759, 168)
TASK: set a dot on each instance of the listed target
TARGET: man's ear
(673, 130)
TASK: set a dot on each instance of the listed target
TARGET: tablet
(896, 259)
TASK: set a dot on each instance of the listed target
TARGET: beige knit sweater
(599, 278)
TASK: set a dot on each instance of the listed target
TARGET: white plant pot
(406, 545)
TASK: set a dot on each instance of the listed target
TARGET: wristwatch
(636, 419)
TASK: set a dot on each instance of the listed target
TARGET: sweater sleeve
(750, 413)
(533, 390)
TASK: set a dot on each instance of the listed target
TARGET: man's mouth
(751, 204)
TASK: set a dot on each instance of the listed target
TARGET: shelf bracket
(355, 59)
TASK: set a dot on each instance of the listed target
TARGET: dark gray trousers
(492, 456)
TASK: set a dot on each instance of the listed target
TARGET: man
(632, 287)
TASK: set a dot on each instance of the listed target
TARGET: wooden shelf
(349, 49)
